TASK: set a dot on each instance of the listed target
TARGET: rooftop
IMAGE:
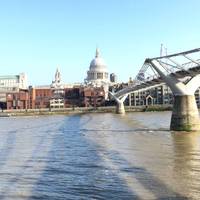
(9, 77)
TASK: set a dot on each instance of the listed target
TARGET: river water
(98, 156)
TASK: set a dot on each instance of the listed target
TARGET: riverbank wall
(77, 110)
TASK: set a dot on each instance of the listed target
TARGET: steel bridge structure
(181, 72)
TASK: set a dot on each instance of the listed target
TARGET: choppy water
(98, 156)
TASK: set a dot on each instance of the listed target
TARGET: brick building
(92, 96)
(39, 97)
(11, 84)
(72, 97)
(84, 96)
(17, 100)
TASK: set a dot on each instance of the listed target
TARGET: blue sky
(38, 35)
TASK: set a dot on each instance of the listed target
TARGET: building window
(99, 75)
(91, 75)
(106, 75)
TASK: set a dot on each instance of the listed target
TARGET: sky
(36, 36)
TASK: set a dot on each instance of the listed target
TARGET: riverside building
(47, 96)
(155, 95)
(39, 97)
(11, 84)
(57, 99)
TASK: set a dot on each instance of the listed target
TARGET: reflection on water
(186, 162)
(98, 156)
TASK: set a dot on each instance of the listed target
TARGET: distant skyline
(38, 35)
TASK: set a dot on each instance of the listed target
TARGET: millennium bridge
(181, 72)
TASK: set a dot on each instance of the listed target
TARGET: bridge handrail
(177, 54)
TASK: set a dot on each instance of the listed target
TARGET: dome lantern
(97, 53)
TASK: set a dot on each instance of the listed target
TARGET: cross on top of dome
(97, 53)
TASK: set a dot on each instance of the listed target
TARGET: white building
(97, 75)
(159, 94)
(12, 83)
(57, 100)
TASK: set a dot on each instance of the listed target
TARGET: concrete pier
(120, 108)
(120, 103)
(185, 114)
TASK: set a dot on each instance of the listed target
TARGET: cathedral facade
(97, 75)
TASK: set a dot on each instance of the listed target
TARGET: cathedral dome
(98, 64)
(98, 73)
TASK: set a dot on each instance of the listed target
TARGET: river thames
(98, 156)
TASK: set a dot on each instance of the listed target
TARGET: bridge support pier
(120, 103)
(185, 114)
(120, 108)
